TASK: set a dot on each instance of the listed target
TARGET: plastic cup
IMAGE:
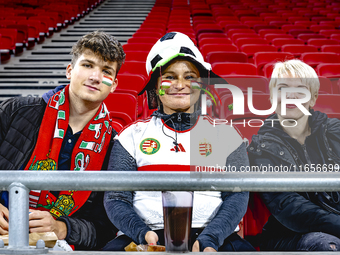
(177, 214)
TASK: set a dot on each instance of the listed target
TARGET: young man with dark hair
(67, 129)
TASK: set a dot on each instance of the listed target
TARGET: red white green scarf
(88, 153)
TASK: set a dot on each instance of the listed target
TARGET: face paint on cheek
(164, 85)
(107, 81)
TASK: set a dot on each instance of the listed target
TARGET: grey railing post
(18, 216)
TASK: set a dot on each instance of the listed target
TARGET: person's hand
(151, 237)
(42, 221)
(4, 216)
(196, 248)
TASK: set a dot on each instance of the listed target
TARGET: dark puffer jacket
(87, 229)
(297, 212)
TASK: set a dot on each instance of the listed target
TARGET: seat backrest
(242, 41)
(279, 42)
(8, 38)
(331, 48)
(306, 37)
(328, 70)
(206, 48)
(297, 50)
(315, 58)
(138, 46)
(240, 30)
(320, 42)
(221, 56)
(262, 58)
(134, 55)
(214, 41)
(251, 49)
(271, 37)
(297, 32)
(143, 40)
(130, 82)
(123, 103)
(234, 68)
(134, 67)
(328, 104)
(236, 36)
(286, 28)
(329, 32)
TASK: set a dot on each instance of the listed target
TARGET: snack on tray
(49, 238)
(144, 247)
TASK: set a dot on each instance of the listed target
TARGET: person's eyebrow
(93, 62)
(190, 72)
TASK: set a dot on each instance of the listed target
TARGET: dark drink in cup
(177, 214)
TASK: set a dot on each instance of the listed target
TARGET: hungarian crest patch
(149, 146)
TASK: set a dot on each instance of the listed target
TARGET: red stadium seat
(134, 67)
(252, 23)
(286, 28)
(148, 34)
(205, 49)
(133, 55)
(262, 58)
(242, 41)
(305, 23)
(306, 37)
(257, 82)
(331, 48)
(297, 32)
(316, 58)
(326, 86)
(122, 105)
(329, 32)
(268, 69)
(221, 56)
(222, 68)
(271, 37)
(320, 42)
(235, 31)
(328, 104)
(335, 37)
(258, 27)
(328, 70)
(251, 49)
(244, 35)
(142, 40)
(211, 35)
(264, 32)
(8, 38)
(317, 28)
(214, 41)
(297, 50)
(279, 42)
(138, 46)
(235, 26)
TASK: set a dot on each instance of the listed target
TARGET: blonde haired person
(304, 221)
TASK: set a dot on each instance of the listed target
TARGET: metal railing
(19, 183)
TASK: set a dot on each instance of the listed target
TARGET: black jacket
(297, 212)
(20, 118)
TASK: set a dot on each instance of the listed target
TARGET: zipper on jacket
(306, 154)
(179, 119)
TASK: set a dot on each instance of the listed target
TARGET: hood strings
(175, 139)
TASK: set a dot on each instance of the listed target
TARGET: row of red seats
(23, 24)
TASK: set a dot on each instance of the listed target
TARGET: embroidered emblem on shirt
(149, 146)
(205, 148)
